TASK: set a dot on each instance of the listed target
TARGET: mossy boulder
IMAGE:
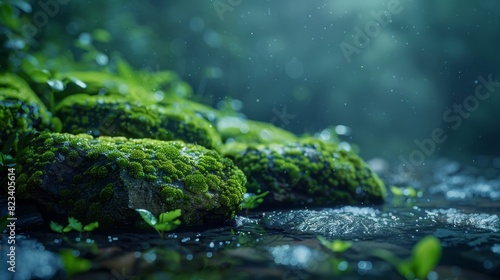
(306, 172)
(21, 111)
(115, 116)
(105, 178)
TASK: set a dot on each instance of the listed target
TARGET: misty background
(284, 61)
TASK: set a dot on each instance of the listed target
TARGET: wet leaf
(147, 216)
(170, 216)
(168, 226)
(91, 226)
(75, 224)
(56, 85)
(426, 255)
(40, 75)
(56, 227)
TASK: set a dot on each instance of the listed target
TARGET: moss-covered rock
(308, 172)
(115, 116)
(105, 178)
(21, 111)
(235, 129)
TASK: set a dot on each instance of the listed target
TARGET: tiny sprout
(425, 256)
(251, 201)
(336, 246)
(73, 224)
(167, 221)
(74, 264)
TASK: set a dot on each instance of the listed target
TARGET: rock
(116, 116)
(105, 178)
(21, 111)
(306, 172)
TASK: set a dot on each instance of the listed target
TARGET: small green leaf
(40, 75)
(170, 216)
(78, 82)
(75, 224)
(56, 227)
(396, 191)
(67, 229)
(147, 216)
(252, 201)
(336, 246)
(101, 35)
(55, 84)
(91, 226)
(168, 226)
(426, 255)
(73, 264)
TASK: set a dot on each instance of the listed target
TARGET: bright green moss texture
(115, 116)
(21, 110)
(105, 178)
(309, 172)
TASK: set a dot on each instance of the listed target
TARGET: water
(283, 244)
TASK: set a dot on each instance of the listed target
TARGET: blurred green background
(302, 65)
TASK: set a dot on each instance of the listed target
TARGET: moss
(21, 110)
(196, 183)
(122, 162)
(203, 184)
(73, 155)
(171, 194)
(95, 212)
(308, 168)
(136, 170)
(80, 209)
(142, 118)
(106, 193)
(137, 155)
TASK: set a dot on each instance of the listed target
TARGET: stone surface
(21, 111)
(116, 116)
(306, 172)
(105, 178)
